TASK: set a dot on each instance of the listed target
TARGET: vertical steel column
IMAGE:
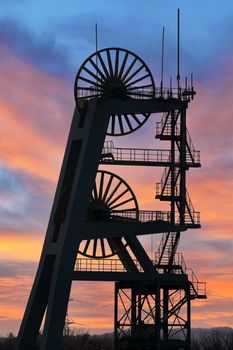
(158, 324)
(172, 166)
(188, 317)
(53, 280)
(182, 165)
(133, 312)
(165, 313)
(140, 312)
(116, 341)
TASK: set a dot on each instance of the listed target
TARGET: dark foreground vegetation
(202, 339)
(74, 341)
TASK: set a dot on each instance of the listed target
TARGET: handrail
(143, 215)
(140, 93)
(110, 153)
(103, 265)
(116, 265)
(199, 288)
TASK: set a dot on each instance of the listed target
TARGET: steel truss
(96, 216)
(152, 315)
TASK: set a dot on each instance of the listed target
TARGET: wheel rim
(111, 197)
(116, 73)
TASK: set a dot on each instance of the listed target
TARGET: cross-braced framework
(96, 219)
(149, 316)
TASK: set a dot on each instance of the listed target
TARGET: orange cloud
(20, 246)
(34, 118)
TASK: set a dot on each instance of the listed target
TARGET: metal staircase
(164, 131)
(167, 249)
(168, 260)
(169, 188)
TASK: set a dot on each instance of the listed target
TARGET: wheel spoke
(113, 192)
(110, 243)
(122, 203)
(90, 81)
(101, 185)
(98, 70)
(94, 247)
(129, 69)
(136, 118)
(116, 63)
(93, 75)
(146, 115)
(133, 75)
(108, 187)
(118, 197)
(86, 246)
(137, 80)
(109, 63)
(123, 64)
(102, 247)
(128, 122)
(103, 65)
(95, 194)
(113, 121)
(119, 117)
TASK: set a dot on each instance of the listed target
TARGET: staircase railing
(198, 289)
(163, 127)
(193, 154)
(163, 188)
(194, 216)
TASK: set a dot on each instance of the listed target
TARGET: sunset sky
(42, 45)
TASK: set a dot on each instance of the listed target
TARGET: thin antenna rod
(192, 89)
(178, 50)
(96, 49)
(162, 61)
(170, 86)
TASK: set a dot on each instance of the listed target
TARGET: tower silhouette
(95, 220)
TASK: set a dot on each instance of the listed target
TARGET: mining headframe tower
(95, 220)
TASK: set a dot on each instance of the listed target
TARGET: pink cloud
(35, 116)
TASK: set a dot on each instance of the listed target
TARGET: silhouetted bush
(202, 339)
(74, 341)
(212, 339)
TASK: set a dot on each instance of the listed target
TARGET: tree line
(202, 339)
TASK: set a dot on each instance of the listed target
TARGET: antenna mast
(96, 49)
(178, 51)
(162, 61)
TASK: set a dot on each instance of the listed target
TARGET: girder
(96, 215)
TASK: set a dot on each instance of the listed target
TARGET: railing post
(182, 165)
(172, 167)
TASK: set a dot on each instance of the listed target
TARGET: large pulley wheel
(120, 74)
(112, 200)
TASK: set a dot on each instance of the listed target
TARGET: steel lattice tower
(95, 220)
